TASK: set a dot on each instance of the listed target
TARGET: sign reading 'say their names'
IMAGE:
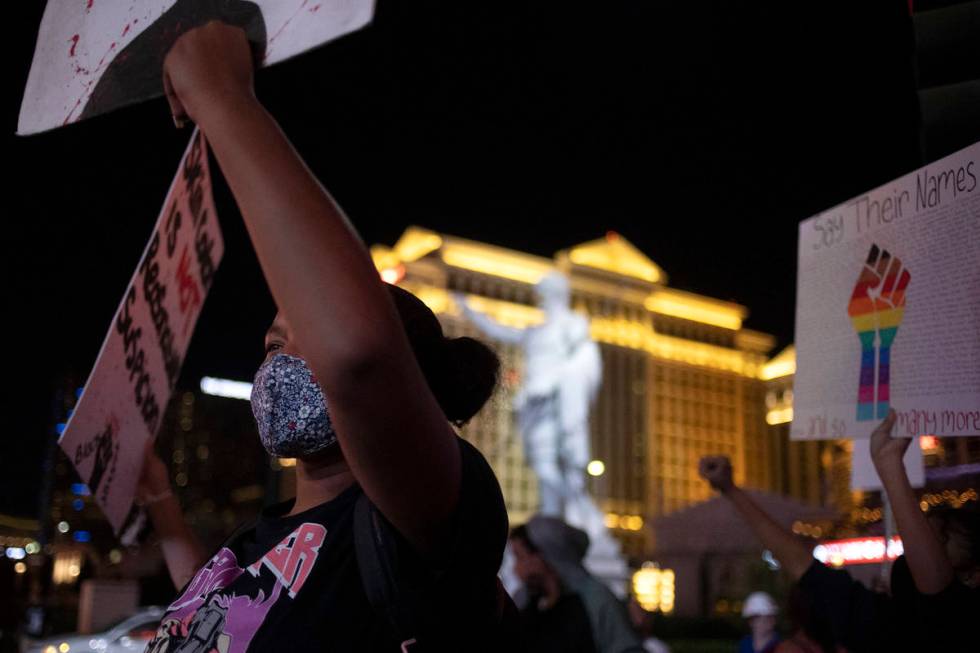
(888, 308)
(129, 387)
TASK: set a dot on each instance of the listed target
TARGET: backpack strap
(376, 552)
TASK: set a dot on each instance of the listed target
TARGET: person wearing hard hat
(760, 611)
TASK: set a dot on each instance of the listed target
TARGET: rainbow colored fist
(876, 309)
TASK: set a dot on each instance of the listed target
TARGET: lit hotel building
(682, 378)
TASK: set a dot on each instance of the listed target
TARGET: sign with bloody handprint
(888, 308)
(93, 56)
(127, 391)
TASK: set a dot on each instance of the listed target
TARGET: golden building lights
(616, 255)
(67, 566)
(783, 364)
(653, 588)
(779, 416)
(689, 306)
(681, 376)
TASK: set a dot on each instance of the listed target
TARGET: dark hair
(965, 520)
(805, 613)
(520, 533)
(461, 372)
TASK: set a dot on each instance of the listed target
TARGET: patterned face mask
(289, 409)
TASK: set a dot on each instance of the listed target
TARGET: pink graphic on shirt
(292, 559)
(209, 617)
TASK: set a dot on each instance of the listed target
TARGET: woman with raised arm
(362, 387)
(931, 599)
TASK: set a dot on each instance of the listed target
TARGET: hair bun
(461, 372)
(469, 375)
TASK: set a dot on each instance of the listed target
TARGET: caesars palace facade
(682, 378)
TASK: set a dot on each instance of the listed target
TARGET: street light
(596, 468)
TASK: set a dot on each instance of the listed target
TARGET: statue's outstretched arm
(487, 325)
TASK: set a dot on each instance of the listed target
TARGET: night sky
(703, 132)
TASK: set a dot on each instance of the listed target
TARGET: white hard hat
(759, 604)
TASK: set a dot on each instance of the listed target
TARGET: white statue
(563, 371)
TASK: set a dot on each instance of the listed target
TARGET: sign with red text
(127, 392)
(888, 308)
(93, 56)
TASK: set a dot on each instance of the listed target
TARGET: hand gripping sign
(888, 303)
(129, 387)
(93, 56)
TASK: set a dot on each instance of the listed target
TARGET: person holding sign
(361, 386)
(935, 585)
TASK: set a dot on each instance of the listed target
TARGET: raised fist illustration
(876, 309)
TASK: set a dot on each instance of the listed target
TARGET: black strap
(376, 553)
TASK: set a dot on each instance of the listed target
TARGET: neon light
(857, 551)
(928, 442)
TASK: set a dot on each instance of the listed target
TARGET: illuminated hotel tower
(681, 377)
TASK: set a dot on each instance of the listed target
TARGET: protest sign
(128, 389)
(888, 308)
(93, 56)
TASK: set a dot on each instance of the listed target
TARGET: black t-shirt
(906, 620)
(562, 628)
(292, 583)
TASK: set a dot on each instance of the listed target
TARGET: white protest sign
(864, 476)
(129, 387)
(888, 308)
(93, 56)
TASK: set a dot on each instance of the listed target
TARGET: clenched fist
(717, 470)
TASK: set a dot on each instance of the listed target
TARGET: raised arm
(393, 434)
(931, 568)
(792, 555)
(183, 552)
(487, 325)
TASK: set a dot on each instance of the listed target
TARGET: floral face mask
(290, 409)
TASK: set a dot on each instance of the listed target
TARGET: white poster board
(93, 56)
(127, 392)
(888, 308)
(865, 477)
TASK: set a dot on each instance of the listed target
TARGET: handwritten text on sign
(888, 303)
(134, 375)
